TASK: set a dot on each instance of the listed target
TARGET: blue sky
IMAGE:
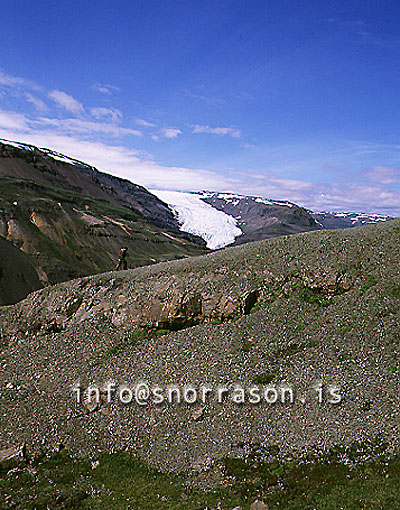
(284, 99)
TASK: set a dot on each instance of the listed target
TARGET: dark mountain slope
(50, 168)
(72, 220)
(18, 276)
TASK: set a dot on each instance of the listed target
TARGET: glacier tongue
(217, 228)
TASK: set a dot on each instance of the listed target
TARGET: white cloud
(221, 131)
(383, 174)
(112, 114)
(370, 190)
(128, 163)
(37, 103)
(171, 132)
(290, 184)
(68, 137)
(357, 197)
(105, 88)
(8, 80)
(13, 121)
(144, 123)
(248, 146)
(66, 101)
(86, 127)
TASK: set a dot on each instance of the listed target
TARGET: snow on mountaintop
(47, 152)
(196, 217)
(355, 217)
(273, 202)
(234, 198)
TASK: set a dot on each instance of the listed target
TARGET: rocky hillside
(72, 219)
(316, 312)
(49, 168)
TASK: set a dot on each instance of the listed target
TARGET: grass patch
(159, 332)
(371, 282)
(215, 322)
(264, 378)
(300, 327)
(257, 306)
(341, 478)
(395, 291)
(246, 346)
(137, 336)
(314, 295)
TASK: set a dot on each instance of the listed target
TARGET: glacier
(217, 228)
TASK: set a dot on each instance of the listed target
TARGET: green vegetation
(323, 481)
(300, 327)
(264, 378)
(347, 329)
(246, 346)
(216, 322)
(314, 295)
(258, 306)
(341, 478)
(136, 336)
(371, 282)
(45, 198)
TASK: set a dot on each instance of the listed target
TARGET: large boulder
(11, 458)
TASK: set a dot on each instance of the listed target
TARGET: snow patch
(217, 228)
(355, 217)
(58, 156)
(273, 202)
(234, 199)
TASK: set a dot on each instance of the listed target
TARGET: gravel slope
(327, 312)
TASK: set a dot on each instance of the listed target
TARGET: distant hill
(72, 219)
(335, 220)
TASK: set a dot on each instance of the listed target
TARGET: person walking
(122, 263)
